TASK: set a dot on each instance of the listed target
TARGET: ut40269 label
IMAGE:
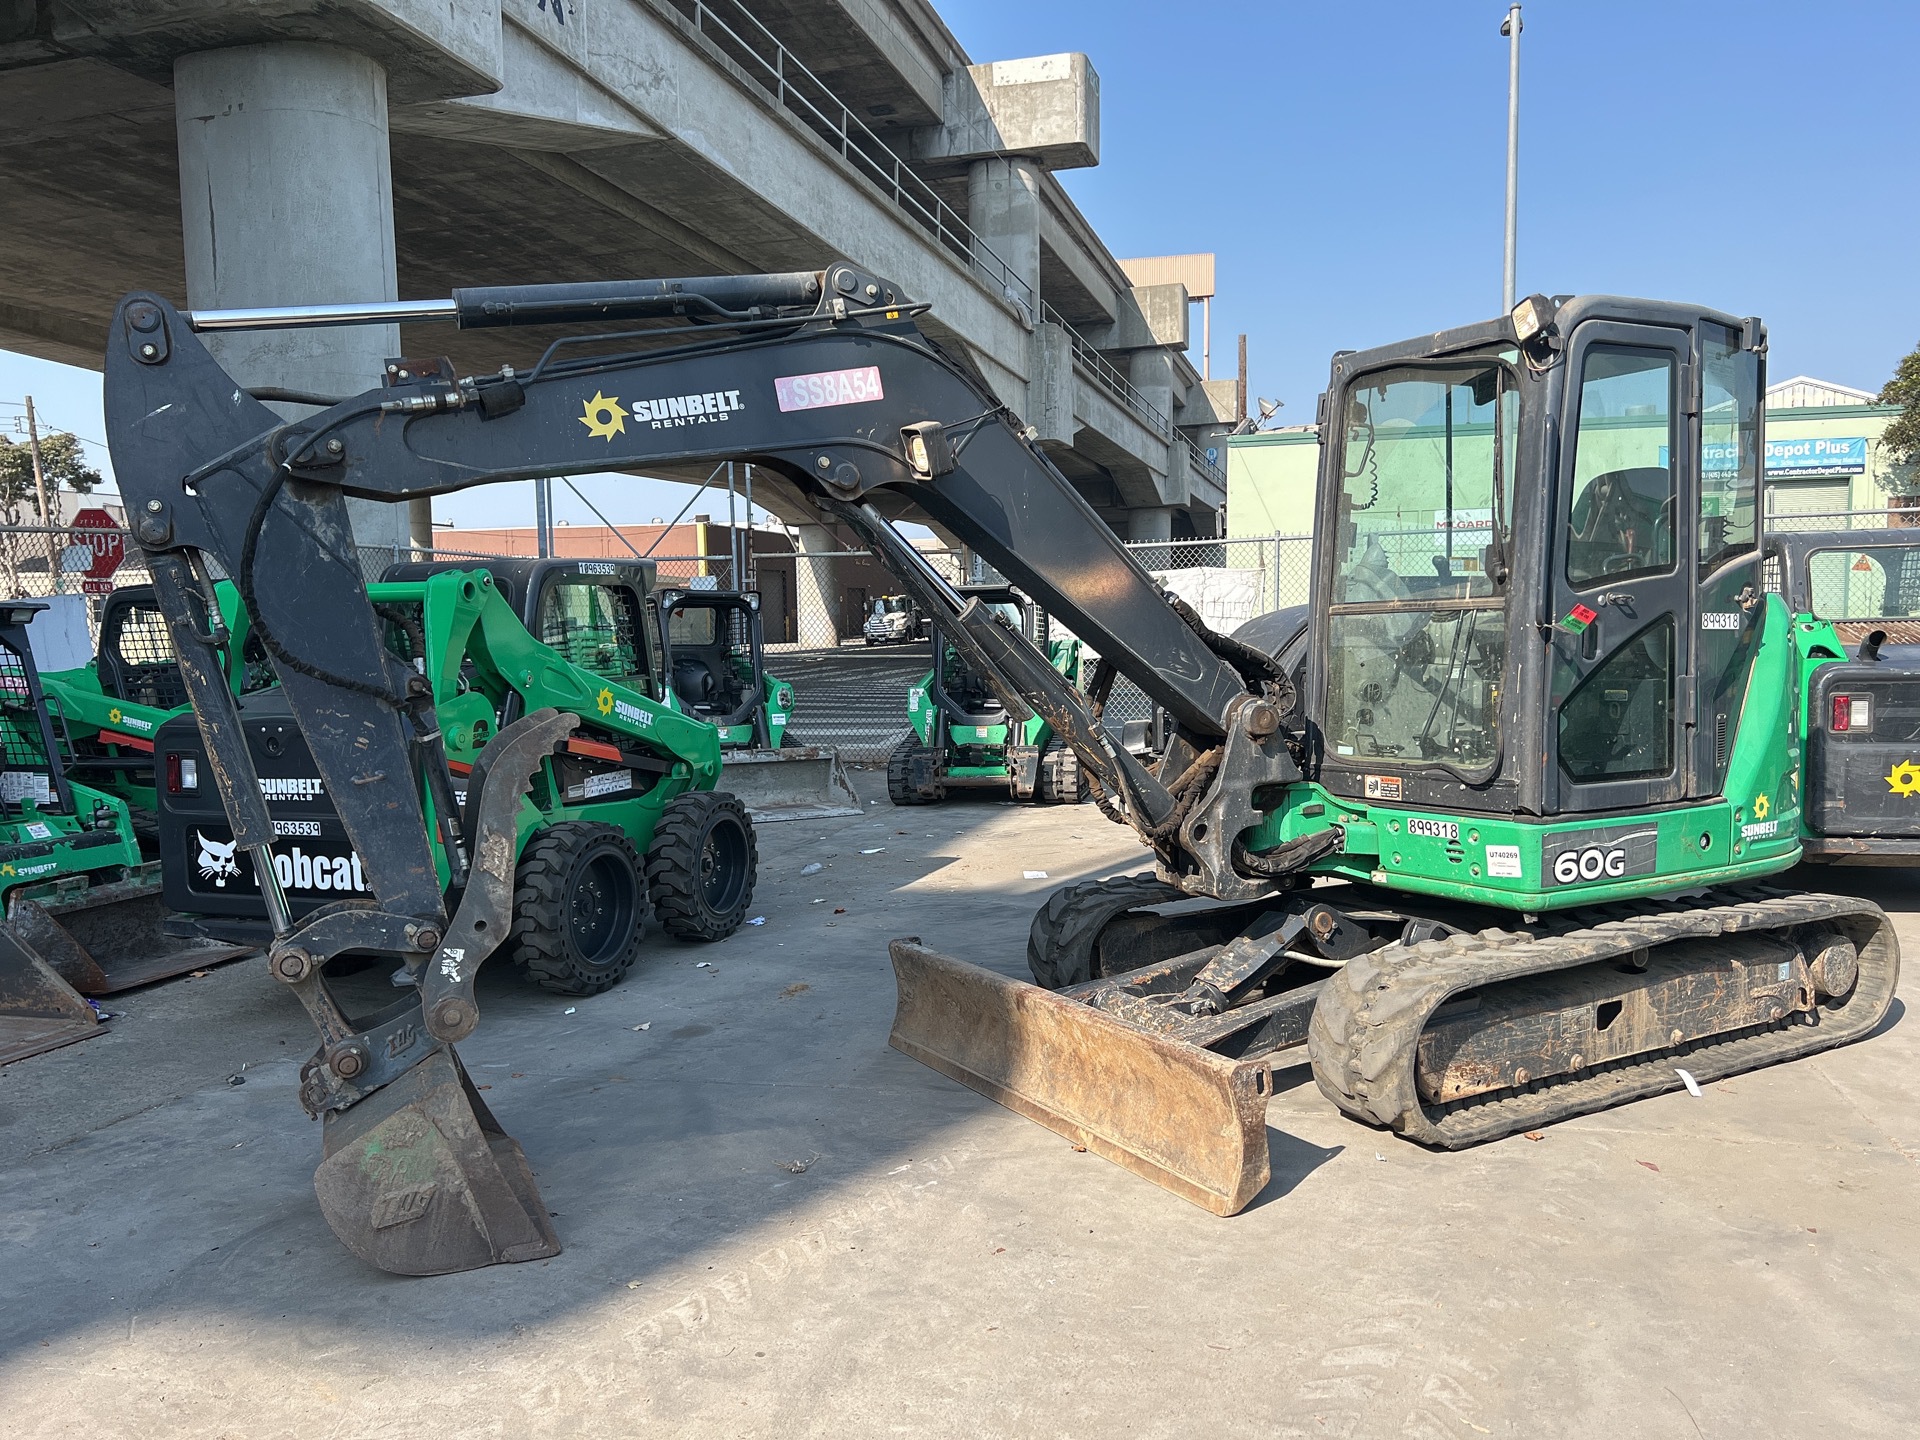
(1587, 857)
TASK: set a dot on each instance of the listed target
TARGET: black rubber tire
(702, 865)
(1061, 943)
(900, 787)
(579, 908)
(1062, 782)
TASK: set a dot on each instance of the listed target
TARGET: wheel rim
(723, 864)
(600, 909)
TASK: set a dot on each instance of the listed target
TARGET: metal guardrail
(758, 54)
(795, 89)
(1103, 370)
(1106, 374)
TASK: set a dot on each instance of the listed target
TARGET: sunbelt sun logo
(623, 710)
(116, 716)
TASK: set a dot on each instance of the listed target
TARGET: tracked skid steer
(1502, 842)
(84, 915)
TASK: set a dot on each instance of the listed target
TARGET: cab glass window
(597, 628)
(692, 626)
(1621, 520)
(1618, 722)
(1417, 637)
(1878, 584)
(1729, 446)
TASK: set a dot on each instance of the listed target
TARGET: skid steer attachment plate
(110, 938)
(1190, 1121)
(419, 1178)
(38, 1010)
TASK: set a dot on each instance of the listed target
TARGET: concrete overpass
(251, 152)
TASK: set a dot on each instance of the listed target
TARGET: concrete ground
(1742, 1264)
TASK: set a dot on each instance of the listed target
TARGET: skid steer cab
(963, 736)
(83, 913)
(107, 715)
(622, 820)
(712, 667)
(1855, 598)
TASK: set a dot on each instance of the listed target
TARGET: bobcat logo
(216, 860)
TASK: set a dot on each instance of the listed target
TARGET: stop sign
(104, 538)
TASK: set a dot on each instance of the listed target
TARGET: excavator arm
(822, 377)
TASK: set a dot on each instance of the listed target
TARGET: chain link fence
(849, 693)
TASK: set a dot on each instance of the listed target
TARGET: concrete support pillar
(1003, 207)
(816, 597)
(286, 196)
(1152, 523)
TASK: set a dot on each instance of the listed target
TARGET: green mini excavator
(1503, 838)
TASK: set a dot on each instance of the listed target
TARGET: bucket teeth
(419, 1178)
(1189, 1120)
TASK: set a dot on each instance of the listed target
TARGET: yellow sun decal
(1760, 807)
(113, 715)
(606, 702)
(1904, 779)
(603, 417)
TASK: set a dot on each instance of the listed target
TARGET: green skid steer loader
(622, 819)
(107, 714)
(965, 738)
(712, 666)
(83, 913)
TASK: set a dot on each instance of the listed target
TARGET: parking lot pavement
(775, 1225)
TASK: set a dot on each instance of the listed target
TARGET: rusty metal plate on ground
(1190, 1121)
(39, 1011)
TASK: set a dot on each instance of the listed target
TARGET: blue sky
(1346, 162)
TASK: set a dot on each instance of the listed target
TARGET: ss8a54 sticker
(1589, 857)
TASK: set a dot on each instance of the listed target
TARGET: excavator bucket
(106, 938)
(1189, 1120)
(38, 1010)
(795, 782)
(419, 1178)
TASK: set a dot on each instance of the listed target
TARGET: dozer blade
(38, 1010)
(111, 937)
(1187, 1119)
(419, 1178)
(796, 782)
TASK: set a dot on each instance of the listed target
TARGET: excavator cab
(1542, 592)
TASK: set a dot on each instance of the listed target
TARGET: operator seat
(1622, 522)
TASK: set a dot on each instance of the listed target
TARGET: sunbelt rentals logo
(605, 417)
(610, 704)
(116, 716)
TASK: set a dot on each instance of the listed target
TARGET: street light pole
(1510, 27)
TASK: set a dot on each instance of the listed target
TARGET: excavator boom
(821, 379)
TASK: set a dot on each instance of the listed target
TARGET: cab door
(1621, 593)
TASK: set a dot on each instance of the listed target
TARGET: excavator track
(1386, 1052)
